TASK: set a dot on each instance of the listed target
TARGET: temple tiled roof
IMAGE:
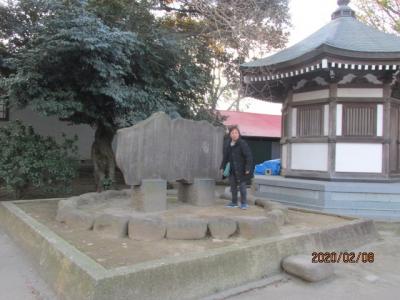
(343, 34)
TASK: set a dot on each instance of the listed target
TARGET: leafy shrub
(107, 183)
(28, 159)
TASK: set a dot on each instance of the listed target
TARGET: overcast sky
(308, 16)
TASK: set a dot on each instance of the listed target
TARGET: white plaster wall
(360, 92)
(51, 126)
(358, 157)
(321, 94)
(309, 156)
(284, 156)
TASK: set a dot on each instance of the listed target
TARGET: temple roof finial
(344, 10)
(343, 2)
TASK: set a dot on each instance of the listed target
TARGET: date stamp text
(343, 257)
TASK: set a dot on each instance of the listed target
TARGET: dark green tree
(229, 31)
(78, 68)
(19, 20)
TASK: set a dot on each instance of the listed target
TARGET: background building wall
(51, 126)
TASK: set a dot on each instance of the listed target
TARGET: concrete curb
(73, 275)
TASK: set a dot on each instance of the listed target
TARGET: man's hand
(247, 172)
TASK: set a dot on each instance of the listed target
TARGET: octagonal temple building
(340, 114)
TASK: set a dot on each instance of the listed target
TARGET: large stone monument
(159, 149)
(151, 153)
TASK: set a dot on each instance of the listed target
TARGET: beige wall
(51, 126)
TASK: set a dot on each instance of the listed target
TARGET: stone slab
(111, 225)
(146, 229)
(186, 229)
(74, 275)
(70, 210)
(302, 266)
(256, 227)
(178, 149)
(222, 228)
(68, 213)
(79, 219)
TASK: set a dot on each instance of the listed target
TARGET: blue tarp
(269, 167)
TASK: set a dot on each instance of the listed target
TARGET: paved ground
(380, 280)
(18, 279)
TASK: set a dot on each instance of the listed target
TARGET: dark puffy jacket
(240, 158)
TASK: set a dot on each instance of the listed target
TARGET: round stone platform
(112, 214)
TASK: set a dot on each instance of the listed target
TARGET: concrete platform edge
(73, 275)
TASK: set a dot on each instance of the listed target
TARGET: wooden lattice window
(3, 111)
(310, 120)
(359, 119)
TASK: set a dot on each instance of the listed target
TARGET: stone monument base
(150, 196)
(111, 214)
(200, 193)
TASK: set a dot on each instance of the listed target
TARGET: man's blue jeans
(235, 182)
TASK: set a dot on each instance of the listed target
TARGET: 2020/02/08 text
(344, 257)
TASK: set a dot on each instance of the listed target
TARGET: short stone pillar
(200, 193)
(150, 196)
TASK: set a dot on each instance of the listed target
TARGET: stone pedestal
(200, 193)
(150, 196)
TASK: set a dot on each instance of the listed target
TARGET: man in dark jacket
(238, 154)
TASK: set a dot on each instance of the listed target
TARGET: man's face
(234, 135)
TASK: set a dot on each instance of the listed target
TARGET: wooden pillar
(289, 101)
(387, 91)
(284, 137)
(332, 129)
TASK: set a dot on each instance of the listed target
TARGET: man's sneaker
(244, 206)
(232, 205)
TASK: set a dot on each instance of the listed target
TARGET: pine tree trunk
(103, 158)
